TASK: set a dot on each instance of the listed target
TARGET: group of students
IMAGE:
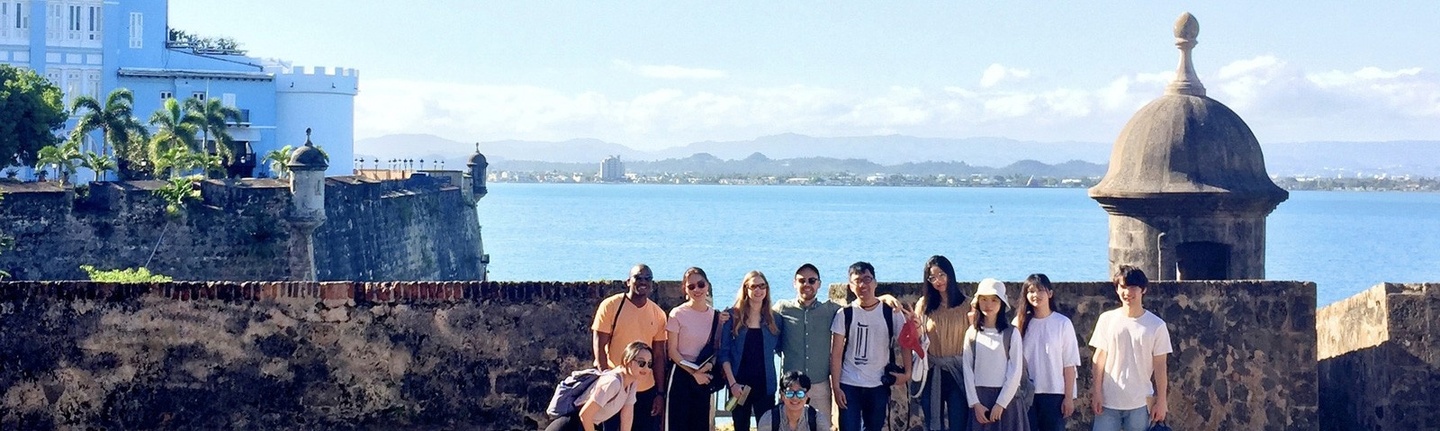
(987, 364)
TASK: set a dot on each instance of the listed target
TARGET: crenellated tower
(323, 99)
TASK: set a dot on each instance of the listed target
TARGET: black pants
(643, 421)
(688, 405)
(566, 423)
(1045, 414)
(756, 404)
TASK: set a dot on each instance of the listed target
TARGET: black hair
(977, 321)
(795, 377)
(952, 289)
(1025, 312)
(861, 267)
(1127, 275)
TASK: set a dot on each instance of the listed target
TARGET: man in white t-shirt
(1131, 346)
(860, 352)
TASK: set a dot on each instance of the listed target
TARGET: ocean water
(1343, 241)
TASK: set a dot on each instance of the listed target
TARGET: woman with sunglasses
(748, 345)
(794, 412)
(612, 393)
(692, 352)
(942, 316)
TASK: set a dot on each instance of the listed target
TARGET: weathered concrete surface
(416, 229)
(1379, 363)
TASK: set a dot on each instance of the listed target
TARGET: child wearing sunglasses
(794, 412)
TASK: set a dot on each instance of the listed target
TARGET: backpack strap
(775, 416)
(616, 320)
(849, 317)
(889, 314)
(810, 411)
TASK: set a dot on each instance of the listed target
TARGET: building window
(22, 16)
(137, 30)
(92, 84)
(166, 95)
(198, 95)
(53, 17)
(95, 17)
(228, 99)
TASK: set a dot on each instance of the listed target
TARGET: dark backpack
(574, 387)
(775, 416)
(889, 327)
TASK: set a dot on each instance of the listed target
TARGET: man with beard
(625, 318)
(805, 342)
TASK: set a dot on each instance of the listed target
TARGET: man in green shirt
(805, 343)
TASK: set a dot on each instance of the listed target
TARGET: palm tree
(62, 157)
(172, 161)
(116, 121)
(278, 160)
(175, 128)
(214, 117)
(98, 163)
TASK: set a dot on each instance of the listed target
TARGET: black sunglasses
(643, 363)
(808, 280)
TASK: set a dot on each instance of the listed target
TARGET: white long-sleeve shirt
(985, 364)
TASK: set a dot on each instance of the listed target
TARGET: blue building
(90, 47)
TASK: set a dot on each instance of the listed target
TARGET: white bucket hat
(992, 286)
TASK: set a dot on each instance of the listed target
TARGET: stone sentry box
(284, 355)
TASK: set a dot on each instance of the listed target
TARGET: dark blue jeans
(952, 401)
(865, 406)
(1045, 413)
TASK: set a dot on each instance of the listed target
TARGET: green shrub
(129, 275)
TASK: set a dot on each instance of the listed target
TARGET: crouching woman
(612, 393)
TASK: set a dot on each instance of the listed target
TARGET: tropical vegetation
(31, 111)
(118, 126)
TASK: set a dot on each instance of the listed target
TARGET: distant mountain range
(894, 154)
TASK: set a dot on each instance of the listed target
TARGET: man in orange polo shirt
(629, 317)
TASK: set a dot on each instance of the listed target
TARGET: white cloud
(669, 71)
(997, 72)
(1279, 100)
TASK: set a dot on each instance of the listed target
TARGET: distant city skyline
(653, 75)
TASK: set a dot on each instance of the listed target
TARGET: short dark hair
(808, 266)
(1129, 275)
(795, 377)
(862, 266)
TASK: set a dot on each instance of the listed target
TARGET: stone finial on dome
(1187, 28)
(308, 157)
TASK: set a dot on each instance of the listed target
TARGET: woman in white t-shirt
(612, 393)
(1052, 351)
(992, 362)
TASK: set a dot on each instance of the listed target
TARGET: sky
(658, 74)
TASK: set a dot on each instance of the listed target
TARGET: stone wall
(1379, 362)
(487, 355)
(419, 229)
(1244, 351)
(234, 233)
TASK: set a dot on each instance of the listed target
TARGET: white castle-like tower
(319, 99)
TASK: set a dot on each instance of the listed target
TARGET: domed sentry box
(1186, 189)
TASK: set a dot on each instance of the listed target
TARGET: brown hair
(742, 305)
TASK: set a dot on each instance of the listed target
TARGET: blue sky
(666, 73)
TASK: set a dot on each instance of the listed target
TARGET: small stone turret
(307, 212)
(1187, 189)
(477, 174)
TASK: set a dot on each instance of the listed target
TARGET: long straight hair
(1025, 312)
(954, 297)
(742, 305)
(709, 287)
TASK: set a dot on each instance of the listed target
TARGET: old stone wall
(424, 355)
(417, 229)
(234, 233)
(1244, 351)
(1379, 363)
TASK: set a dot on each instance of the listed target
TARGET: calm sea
(1343, 241)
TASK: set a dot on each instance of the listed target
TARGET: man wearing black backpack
(863, 366)
(622, 319)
